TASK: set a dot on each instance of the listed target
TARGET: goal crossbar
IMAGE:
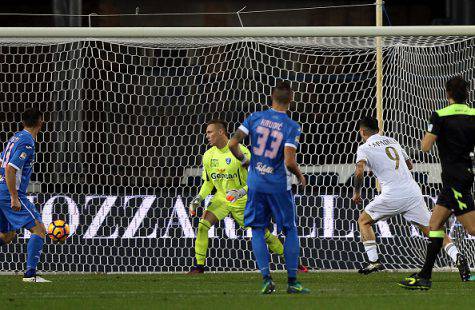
(148, 32)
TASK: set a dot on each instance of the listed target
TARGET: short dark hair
(457, 89)
(369, 122)
(282, 92)
(220, 123)
(31, 117)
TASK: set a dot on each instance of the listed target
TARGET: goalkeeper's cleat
(198, 269)
(371, 267)
(462, 266)
(302, 269)
(297, 288)
(31, 276)
(268, 287)
(414, 282)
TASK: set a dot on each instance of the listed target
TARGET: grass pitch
(231, 291)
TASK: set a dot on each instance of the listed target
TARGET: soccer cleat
(268, 287)
(371, 267)
(36, 279)
(302, 269)
(198, 269)
(414, 282)
(463, 267)
(31, 276)
(297, 288)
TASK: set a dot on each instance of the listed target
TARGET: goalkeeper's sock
(452, 251)
(201, 243)
(371, 250)
(274, 244)
(436, 239)
(291, 252)
(34, 247)
(261, 252)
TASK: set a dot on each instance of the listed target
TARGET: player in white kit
(400, 194)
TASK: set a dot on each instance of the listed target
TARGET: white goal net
(119, 158)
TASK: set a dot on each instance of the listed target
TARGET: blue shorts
(13, 220)
(261, 207)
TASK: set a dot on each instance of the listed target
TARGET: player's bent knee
(209, 217)
(39, 229)
(365, 220)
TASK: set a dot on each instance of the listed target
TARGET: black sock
(433, 249)
(291, 280)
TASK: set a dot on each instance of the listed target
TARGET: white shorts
(413, 209)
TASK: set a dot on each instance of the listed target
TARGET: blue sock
(259, 247)
(35, 245)
(291, 253)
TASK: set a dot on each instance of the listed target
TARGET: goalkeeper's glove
(234, 194)
(194, 204)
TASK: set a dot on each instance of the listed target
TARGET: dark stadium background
(401, 12)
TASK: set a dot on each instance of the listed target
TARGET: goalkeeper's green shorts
(221, 208)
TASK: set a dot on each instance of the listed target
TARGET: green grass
(231, 291)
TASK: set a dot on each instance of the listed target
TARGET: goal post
(120, 155)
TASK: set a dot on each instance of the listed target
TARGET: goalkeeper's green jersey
(221, 170)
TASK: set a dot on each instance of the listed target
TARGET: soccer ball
(58, 231)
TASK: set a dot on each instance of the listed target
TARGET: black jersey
(454, 127)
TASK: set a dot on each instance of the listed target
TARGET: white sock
(371, 250)
(452, 251)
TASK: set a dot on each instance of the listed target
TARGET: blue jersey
(20, 154)
(270, 132)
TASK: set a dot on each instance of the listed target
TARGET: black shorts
(457, 199)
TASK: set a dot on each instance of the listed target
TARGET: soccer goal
(119, 158)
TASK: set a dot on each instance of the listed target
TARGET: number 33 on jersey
(270, 132)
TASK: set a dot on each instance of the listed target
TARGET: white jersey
(386, 158)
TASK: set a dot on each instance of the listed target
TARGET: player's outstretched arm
(428, 141)
(237, 138)
(358, 181)
(291, 164)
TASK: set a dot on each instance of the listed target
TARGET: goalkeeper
(223, 172)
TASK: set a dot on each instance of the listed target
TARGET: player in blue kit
(16, 211)
(274, 140)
